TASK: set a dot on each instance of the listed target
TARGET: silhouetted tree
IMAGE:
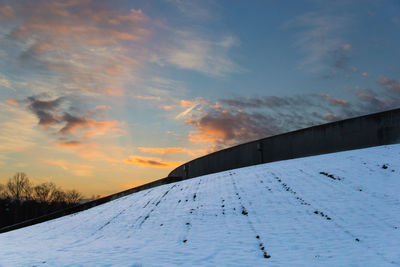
(73, 196)
(3, 191)
(19, 187)
(44, 191)
(58, 196)
(20, 200)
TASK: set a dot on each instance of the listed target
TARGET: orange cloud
(85, 44)
(74, 123)
(114, 70)
(6, 12)
(202, 138)
(148, 97)
(152, 162)
(390, 84)
(167, 107)
(12, 102)
(334, 100)
(69, 144)
(347, 47)
(163, 150)
(114, 92)
(172, 150)
(187, 103)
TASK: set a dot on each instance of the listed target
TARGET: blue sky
(103, 96)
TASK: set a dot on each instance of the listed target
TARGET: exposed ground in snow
(337, 209)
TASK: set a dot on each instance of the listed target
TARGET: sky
(102, 96)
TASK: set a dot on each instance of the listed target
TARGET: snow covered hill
(340, 209)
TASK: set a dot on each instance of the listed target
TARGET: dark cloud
(240, 119)
(45, 110)
(269, 101)
(72, 122)
(37, 104)
(61, 114)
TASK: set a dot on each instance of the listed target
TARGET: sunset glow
(98, 95)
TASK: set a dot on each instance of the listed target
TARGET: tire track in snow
(119, 214)
(250, 223)
(188, 221)
(343, 190)
(156, 205)
(337, 225)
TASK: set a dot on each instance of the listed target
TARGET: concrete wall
(371, 130)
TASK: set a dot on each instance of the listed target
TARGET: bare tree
(58, 195)
(3, 191)
(73, 196)
(19, 187)
(44, 191)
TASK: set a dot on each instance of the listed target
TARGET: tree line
(21, 200)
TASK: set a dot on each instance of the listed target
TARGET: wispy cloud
(194, 52)
(80, 43)
(151, 162)
(321, 40)
(390, 84)
(172, 150)
(194, 9)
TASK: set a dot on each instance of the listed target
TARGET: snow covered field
(340, 209)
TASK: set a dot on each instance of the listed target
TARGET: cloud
(223, 127)
(320, 39)
(6, 13)
(148, 97)
(151, 162)
(240, 119)
(82, 45)
(186, 111)
(72, 143)
(334, 101)
(191, 51)
(57, 114)
(171, 150)
(12, 102)
(167, 107)
(74, 123)
(187, 103)
(189, 106)
(194, 9)
(347, 47)
(390, 84)
(45, 110)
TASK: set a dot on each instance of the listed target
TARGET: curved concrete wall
(371, 130)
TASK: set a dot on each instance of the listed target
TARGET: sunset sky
(102, 96)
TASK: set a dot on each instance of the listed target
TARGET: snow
(281, 214)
